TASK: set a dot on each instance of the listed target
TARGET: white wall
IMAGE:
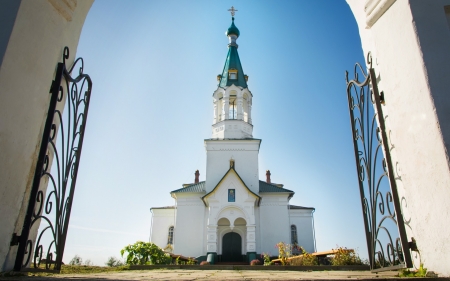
(162, 219)
(36, 42)
(410, 43)
(274, 222)
(245, 154)
(303, 220)
(189, 225)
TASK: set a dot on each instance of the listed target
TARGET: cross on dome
(232, 10)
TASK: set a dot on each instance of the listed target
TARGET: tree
(88, 263)
(113, 262)
(76, 260)
(141, 253)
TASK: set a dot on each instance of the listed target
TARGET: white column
(251, 238)
(240, 109)
(216, 115)
(211, 239)
(226, 108)
(249, 113)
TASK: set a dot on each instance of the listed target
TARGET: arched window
(294, 239)
(170, 236)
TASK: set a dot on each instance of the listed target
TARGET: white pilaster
(211, 240)
(251, 238)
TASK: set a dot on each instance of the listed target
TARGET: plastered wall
(410, 43)
(37, 38)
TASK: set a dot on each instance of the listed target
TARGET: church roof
(195, 187)
(239, 177)
(269, 187)
(294, 207)
(233, 63)
(165, 207)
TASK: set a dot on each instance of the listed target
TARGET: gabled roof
(195, 187)
(269, 187)
(239, 177)
(233, 62)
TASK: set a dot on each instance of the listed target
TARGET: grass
(70, 269)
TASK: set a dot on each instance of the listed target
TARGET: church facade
(232, 215)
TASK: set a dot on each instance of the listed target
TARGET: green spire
(232, 72)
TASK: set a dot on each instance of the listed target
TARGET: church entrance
(231, 247)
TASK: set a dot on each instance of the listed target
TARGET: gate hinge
(413, 245)
(15, 240)
(382, 98)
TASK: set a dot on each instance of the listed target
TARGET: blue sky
(154, 66)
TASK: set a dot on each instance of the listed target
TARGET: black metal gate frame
(365, 130)
(56, 199)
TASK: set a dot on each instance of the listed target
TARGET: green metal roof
(233, 62)
(195, 187)
(233, 29)
(159, 208)
(268, 187)
(294, 207)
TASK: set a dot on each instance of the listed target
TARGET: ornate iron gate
(48, 212)
(387, 242)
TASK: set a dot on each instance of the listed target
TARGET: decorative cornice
(375, 9)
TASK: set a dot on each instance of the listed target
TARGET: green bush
(345, 256)
(141, 253)
(113, 262)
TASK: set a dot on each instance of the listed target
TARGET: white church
(232, 216)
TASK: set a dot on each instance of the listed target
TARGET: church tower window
(170, 236)
(294, 239)
(232, 74)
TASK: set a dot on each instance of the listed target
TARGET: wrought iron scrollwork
(383, 220)
(48, 213)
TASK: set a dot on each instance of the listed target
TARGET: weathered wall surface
(30, 54)
(274, 222)
(189, 225)
(303, 220)
(162, 219)
(410, 43)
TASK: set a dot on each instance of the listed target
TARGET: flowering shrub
(255, 262)
(204, 263)
(346, 256)
(305, 259)
(266, 258)
(284, 252)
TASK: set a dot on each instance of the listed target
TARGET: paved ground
(183, 274)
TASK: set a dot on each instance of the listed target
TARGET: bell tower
(232, 100)
(232, 129)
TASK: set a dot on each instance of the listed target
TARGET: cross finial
(232, 10)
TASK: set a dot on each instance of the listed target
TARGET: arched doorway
(231, 247)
